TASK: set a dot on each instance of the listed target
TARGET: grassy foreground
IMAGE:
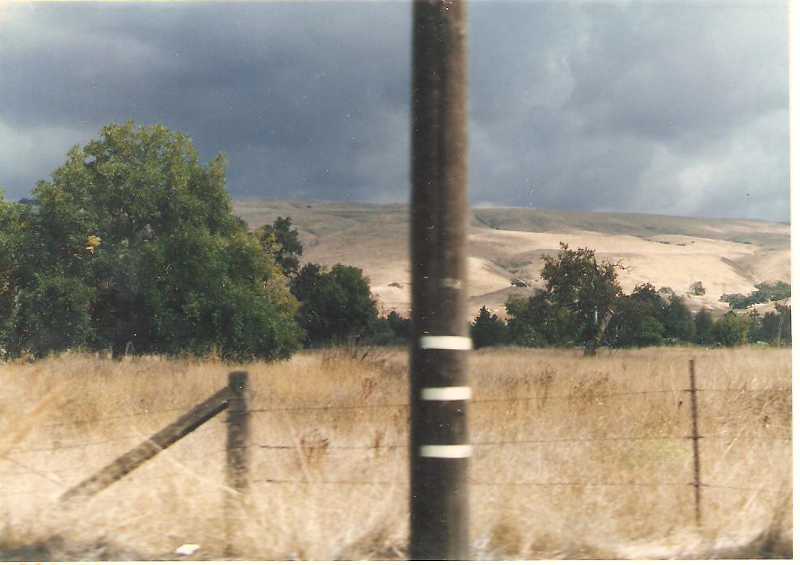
(330, 483)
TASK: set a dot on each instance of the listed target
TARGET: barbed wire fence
(14, 456)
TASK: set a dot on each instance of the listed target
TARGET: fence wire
(52, 475)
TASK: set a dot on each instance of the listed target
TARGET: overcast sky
(672, 108)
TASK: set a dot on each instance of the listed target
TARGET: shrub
(697, 288)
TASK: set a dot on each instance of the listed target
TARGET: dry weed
(551, 476)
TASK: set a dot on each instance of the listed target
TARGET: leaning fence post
(237, 454)
(149, 448)
(695, 443)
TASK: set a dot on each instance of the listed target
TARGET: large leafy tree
(575, 280)
(133, 242)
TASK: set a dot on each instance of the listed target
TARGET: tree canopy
(283, 243)
(134, 241)
(334, 305)
(576, 281)
(487, 329)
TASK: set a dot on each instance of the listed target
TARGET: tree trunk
(591, 345)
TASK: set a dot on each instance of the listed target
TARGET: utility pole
(439, 390)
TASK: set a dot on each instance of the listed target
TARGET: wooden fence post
(695, 444)
(237, 455)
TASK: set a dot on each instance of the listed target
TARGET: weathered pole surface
(238, 459)
(439, 441)
(695, 444)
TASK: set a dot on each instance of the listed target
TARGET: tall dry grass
(331, 483)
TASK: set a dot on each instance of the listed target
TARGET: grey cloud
(651, 107)
(586, 121)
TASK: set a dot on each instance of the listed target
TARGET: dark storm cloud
(298, 95)
(658, 107)
(678, 108)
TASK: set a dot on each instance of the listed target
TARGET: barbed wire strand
(78, 423)
(540, 398)
(519, 441)
(206, 428)
(519, 484)
(32, 471)
(472, 483)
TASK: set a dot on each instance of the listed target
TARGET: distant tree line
(765, 293)
(582, 305)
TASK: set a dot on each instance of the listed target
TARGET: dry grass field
(572, 459)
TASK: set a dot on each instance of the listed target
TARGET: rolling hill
(506, 246)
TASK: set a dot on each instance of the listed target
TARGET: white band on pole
(450, 283)
(447, 393)
(454, 342)
(446, 451)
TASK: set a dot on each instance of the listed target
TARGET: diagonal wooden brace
(151, 447)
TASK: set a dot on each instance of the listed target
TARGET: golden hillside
(507, 244)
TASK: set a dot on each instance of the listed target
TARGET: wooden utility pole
(439, 440)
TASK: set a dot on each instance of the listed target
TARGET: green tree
(537, 322)
(133, 241)
(637, 321)
(730, 330)
(754, 329)
(334, 305)
(784, 333)
(703, 324)
(764, 292)
(487, 330)
(697, 288)
(10, 229)
(283, 243)
(736, 300)
(391, 330)
(587, 288)
(400, 326)
(677, 320)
